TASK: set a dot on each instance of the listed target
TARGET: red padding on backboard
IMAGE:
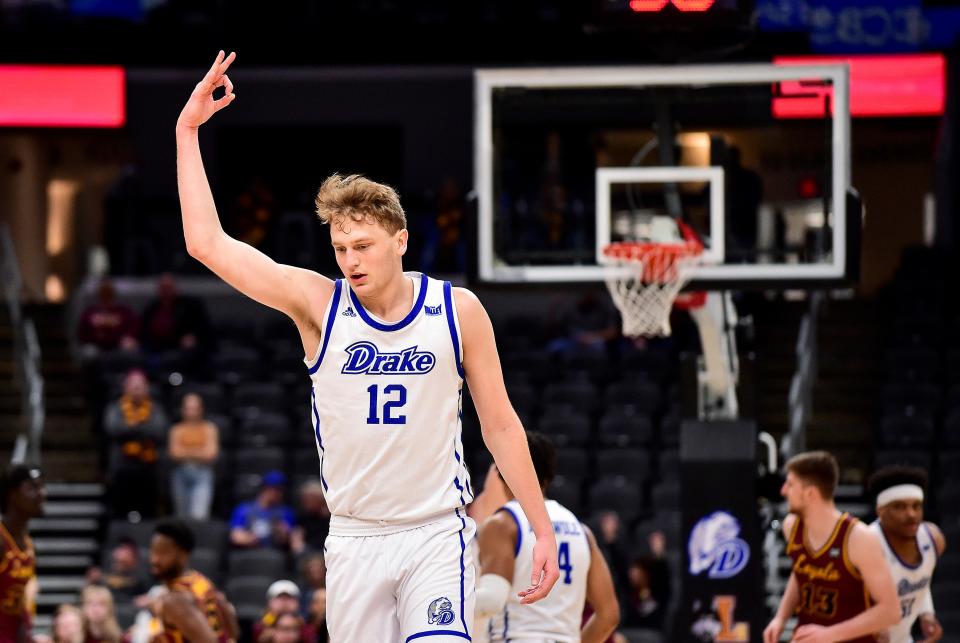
(62, 96)
(880, 85)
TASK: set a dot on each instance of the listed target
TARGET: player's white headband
(899, 492)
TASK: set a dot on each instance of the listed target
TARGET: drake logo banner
(715, 547)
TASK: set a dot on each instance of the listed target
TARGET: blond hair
(110, 631)
(357, 198)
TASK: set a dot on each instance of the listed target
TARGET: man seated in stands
(313, 520)
(264, 521)
(125, 578)
(107, 324)
(283, 598)
(173, 322)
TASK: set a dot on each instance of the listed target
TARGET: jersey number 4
(398, 393)
(563, 562)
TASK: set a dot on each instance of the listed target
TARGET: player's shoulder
(466, 300)
(502, 523)
(939, 539)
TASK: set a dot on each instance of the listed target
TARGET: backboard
(568, 160)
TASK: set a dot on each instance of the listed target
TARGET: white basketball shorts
(404, 586)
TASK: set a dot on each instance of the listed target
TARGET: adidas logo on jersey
(349, 313)
(364, 357)
(433, 310)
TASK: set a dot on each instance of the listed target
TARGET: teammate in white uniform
(505, 545)
(911, 546)
(388, 353)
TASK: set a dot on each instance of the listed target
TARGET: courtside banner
(722, 597)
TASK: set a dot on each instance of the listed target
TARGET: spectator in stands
(193, 447)
(313, 520)
(289, 628)
(610, 542)
(646, 601)
(68, 625)
(313, 571)
(124, 578)
(173, 322)
(135, 425)
(317, 615)
(283, 598)
(107, 324)
(99, 619)
(265, 521)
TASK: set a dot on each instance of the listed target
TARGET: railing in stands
(26, 355)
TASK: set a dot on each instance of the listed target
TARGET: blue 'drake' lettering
(365, 357)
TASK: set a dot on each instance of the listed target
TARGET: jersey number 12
(389, 405)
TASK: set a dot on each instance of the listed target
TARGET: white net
(644, 280)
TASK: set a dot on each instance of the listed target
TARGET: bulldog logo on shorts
(440, 612)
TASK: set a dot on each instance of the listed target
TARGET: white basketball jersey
(386, 410)
(913, 582)
(558, 616)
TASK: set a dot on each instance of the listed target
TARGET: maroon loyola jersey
(831, 589)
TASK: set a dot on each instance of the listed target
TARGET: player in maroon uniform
(192, 611)
(21, 498)
(841, 588)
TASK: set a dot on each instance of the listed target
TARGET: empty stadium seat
(625, 426)
(257, 562)
(643, 395)
(248, 593)
(566, 427)
(581, 395)
(907, 431)
(616, 494)
(259, 460)
(632, 464)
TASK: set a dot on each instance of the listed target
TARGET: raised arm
(503, 434)
(291, 290)
(601, 596)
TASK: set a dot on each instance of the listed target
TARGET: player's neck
(820, 520)
(393, 301)
(905, 546)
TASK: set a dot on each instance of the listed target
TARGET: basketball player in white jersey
(911, 546)
(505, 547)
(387, 353)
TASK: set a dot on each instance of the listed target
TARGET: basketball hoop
(644, 279)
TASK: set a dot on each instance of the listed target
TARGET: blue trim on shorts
(516, 550)
(334, 307)
(419, 635)
(451, 322)
(403, 323)
(463, 549)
